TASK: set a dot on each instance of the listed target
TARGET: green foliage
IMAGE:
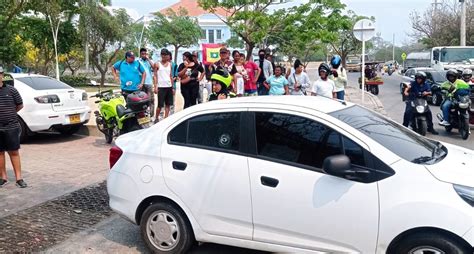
(175, 29)
(235, 42)
(75, 81)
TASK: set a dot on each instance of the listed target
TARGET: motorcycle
(420, 109)
(471, 110)
(458, 115)
(117, 115)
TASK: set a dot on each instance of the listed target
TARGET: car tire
(165, 229)
(23, 131)
(69, 130)
(427, 243)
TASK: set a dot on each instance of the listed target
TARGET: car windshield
(43, 83)
(398, 139)
(451, 55)
(438, 77)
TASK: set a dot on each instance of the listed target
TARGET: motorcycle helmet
(336, 61)
(420, 74)
(451, 73)
(222, 76)
(459, 70)
(467, 74)
(324, 67)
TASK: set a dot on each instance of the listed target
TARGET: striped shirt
(9, 100)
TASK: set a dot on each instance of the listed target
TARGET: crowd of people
(225, 78)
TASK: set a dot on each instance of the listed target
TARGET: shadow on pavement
(42, 138)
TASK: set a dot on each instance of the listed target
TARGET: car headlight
(420, 109)
(466, 193)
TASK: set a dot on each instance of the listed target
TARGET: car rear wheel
(165, 229)
(430, 243)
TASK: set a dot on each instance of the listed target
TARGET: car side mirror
(336, 165)
(412, 76)
(340, 166)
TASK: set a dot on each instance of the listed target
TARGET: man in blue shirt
(131, 74)
(419, 86)
(150, 84)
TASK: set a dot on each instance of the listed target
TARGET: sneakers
(21, 184)
(444, 123)
(3, 182)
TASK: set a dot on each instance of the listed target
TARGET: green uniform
(453, 87)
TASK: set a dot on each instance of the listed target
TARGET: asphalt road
(391, 98)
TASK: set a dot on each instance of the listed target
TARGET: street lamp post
(463, 22)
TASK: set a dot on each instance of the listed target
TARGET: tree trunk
(102, 78)
(176, 47)
(249, 47)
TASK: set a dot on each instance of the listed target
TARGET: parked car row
(49, 104)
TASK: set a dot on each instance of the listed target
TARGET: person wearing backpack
(339, 76)
(130, 73)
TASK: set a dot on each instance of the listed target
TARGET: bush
(76, 80)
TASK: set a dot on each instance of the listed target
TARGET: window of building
(219, 34)
(203, 34)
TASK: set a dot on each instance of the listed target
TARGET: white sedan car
(293, 174)
(50, 104)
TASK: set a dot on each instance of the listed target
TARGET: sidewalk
(354, 95)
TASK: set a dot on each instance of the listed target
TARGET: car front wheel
(165, 229)
(428, 243)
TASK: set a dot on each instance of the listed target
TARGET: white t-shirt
(324, 88)
(164, 74)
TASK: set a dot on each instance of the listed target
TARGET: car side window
(220, 130)
(300, 140)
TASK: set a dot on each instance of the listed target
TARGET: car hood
(457, 167)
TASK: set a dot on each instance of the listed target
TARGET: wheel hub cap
(163, 231)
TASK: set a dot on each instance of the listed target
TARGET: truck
(417, 60)
(452, 57)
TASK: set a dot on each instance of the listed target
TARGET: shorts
(240, 86)
(165, 96)
(247, 93)
(10, 139)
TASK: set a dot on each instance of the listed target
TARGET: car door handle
(268, 181)
(179, 165)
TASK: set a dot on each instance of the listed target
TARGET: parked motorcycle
(420, 109)
(117, 115)
(458, 115)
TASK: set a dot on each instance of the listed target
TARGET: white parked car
(50, 104)
(293, 174)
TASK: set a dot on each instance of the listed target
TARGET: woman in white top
(298, 80)
(240, 75)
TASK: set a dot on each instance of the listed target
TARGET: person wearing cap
(225, 62)
(10, 104)
(131, 74)
(266, 68)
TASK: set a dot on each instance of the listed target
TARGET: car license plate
(74, 118)
(144, 120)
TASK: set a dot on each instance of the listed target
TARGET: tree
(440, 25)
(11, 49)
(248, 19)
(175, 29)
(55, 12)
(305, 29)
(235, 42)
(347, 44)
(105, 31)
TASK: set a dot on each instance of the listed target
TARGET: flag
(210, 52)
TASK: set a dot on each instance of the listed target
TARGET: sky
(391, 16)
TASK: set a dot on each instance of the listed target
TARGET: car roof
(23, 75)
(319, 103)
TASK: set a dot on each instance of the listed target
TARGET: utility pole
(393, 50)
(463, 22)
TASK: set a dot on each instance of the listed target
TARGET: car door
(203, 166)
(294, 203)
